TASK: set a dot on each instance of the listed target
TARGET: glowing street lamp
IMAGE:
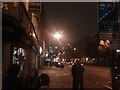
(57, 35)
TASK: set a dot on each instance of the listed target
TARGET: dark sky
(75, 19)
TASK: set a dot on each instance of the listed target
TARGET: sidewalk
(56, 83)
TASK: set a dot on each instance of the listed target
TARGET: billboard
(108, 16)
(108, 11)
(35, 7)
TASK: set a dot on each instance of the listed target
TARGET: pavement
(87, 84)
(68, 79)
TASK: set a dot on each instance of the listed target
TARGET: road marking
(104, 85)
(107, 86)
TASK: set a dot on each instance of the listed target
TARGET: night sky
(76, 20)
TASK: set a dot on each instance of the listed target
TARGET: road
(95, 77)
(99, 75)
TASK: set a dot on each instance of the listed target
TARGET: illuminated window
(19, 56)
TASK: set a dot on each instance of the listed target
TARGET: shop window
(19, 56)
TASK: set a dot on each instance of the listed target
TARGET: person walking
(78, 78)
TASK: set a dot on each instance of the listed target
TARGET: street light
(57, 35)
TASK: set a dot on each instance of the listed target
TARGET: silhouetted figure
(12, 82)
(45, 80)
(32, 81)
(21, 75)
(115, 70)
(77, 73)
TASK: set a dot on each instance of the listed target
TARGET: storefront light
(118, 50)
(33, 35)
(14, 52)
(87, 59)
(46, 55)
(40, 50)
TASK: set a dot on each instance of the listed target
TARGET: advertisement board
(107, 11)
(108, 16)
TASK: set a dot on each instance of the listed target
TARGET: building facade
(21, 35)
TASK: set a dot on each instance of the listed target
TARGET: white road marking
(107, 86)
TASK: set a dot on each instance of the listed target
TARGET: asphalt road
(95, 77)
(98, 75)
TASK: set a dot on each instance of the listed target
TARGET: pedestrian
(78, 78)
(32, 81)
(44, 80)
(12, 81)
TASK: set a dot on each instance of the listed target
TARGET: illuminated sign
(34, 7)
(105, 8)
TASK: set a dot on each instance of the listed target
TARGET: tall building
(119, 21)
(109, 23)
(21, 35)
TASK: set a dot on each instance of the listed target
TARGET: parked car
(59, 64)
